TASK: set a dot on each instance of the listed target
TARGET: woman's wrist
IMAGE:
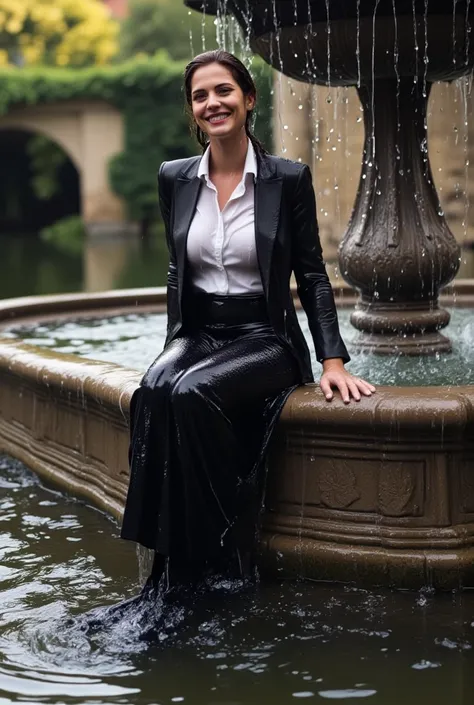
(333, 363)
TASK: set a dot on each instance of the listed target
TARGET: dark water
(29, 266)
(277, 643)
(135, 340)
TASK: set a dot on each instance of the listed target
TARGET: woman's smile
(218, 119)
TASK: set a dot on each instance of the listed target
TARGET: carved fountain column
(398, 250)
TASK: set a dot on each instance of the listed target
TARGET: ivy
(148, 91)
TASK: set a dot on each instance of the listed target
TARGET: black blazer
(286, 236)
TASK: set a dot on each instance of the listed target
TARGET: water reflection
(29, 266)
(268, 645)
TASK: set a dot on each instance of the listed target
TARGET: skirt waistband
(217, 309)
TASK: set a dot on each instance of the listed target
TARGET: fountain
(379, 492)
(397, 252)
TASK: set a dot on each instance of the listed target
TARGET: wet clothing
(201, 422)
(203, 416)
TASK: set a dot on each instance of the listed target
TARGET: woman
(238, 222)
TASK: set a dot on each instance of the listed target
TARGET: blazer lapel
(268, 190)
(186, 196)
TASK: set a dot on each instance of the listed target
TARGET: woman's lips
(217, 119)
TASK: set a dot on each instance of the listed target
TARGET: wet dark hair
(240, 75)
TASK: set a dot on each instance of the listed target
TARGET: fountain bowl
(362, 41)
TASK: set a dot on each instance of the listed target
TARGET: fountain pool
(134, 340)
(283, 642)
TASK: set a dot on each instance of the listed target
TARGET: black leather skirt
(201, 422)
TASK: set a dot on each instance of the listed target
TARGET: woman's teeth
(218, 118)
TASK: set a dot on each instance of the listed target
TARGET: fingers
(326, 388)
(347, 386)
(364, 387)
(353, 388)
(340, 383)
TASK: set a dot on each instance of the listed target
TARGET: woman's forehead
(210, 76)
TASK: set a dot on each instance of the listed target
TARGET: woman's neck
(228, 156)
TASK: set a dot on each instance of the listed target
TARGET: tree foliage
(56, 32)
(152, 25)
(149, 93)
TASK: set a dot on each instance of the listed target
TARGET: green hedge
(149, 93)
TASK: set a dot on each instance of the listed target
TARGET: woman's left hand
(335, 376)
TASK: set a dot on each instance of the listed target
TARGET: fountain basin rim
(425, 409)
(86, 305)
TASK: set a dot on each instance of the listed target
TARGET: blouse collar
(250, 166)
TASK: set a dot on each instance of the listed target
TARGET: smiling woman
(238, 221)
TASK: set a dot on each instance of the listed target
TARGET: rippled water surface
(275, 644)
(135, 340)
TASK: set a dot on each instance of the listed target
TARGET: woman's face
(218, 103)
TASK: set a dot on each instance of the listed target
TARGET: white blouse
(221, 250)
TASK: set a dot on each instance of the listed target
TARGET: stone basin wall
(380, 492)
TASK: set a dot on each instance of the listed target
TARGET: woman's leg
(153, 440)
(224, 407)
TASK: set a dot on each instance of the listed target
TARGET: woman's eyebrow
(219, 85)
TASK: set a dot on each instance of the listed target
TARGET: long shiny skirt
(201, 422)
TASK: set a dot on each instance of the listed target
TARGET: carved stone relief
(338, 487)
(396, 490)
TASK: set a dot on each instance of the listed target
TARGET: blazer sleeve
(165, 200)
(313, 286)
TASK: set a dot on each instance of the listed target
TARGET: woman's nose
(213, 100)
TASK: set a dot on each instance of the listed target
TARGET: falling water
(373, 77)
(220, 24)
(454, 32)
(468, 31)
(310, 65)
(465, 86)
(191, 43)
(358, 43)
(279, 73)
(426, 57)
(415, 39)
(203, 27)
(328, 34)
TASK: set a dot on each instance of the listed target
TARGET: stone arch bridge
(90, 133)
